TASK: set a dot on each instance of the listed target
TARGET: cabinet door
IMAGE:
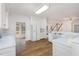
(10, 51)
(0, 15)
(4, 17)
(5, 22)
(75, 49)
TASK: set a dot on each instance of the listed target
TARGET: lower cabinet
(64, 50)
(10, 51)
(61, 50)
(75, 49)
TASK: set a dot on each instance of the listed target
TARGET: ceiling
(55, 10)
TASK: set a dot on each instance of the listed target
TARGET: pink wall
(66, 25)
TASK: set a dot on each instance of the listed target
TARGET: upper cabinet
(3, 17)
(0, 16)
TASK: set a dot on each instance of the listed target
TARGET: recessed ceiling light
(42, 9)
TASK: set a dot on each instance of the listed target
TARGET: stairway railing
(57, 26)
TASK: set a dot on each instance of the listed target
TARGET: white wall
(30, 21)
(38, 23)
(66, 24)
(13, 18)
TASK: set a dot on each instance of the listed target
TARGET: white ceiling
(55, 11)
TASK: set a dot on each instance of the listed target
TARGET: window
(76, 28)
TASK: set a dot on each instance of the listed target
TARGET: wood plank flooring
(38, 48)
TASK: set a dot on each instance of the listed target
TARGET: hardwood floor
(38, 48)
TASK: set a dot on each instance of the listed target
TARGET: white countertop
(66, 42)
(64, 37)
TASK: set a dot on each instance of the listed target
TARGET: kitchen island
(7, 46)
(65, 44)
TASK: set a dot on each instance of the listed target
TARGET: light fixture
(42, 9)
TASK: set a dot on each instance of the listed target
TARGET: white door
(38, 31)
(34, 33)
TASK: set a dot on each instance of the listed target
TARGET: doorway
(20, 36)
(20, 30)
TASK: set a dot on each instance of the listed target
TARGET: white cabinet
(60, 49)
(3, 17)
(75, 49)
(0, 16)
(10, 51)
(8, 45)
